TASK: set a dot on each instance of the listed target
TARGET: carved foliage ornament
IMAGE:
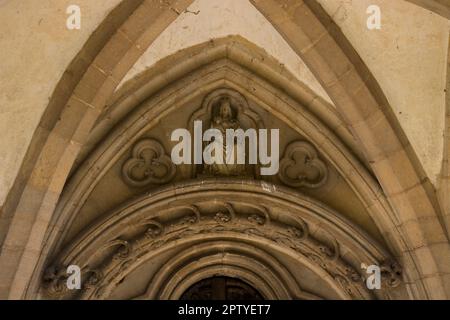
(148, 165)
(391, 272)
(301, 166)
(294, 235)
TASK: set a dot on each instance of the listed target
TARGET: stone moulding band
(235, 75)
(282, 221)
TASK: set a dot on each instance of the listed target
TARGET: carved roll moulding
(194, 218)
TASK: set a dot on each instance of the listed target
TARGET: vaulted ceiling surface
(98, 186)
(407, 56)
(207, 20)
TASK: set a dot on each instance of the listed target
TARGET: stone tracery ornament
(330, 253)
(148, 165)
(301, 166)
(225, 217)
(154, 229)
(260, 219)
(352, 274)
(190, 219)
(257, 219)
(123, 250)
(93, 278)
(55, 281)
(299, 229)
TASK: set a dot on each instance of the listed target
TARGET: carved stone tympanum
(224, 109)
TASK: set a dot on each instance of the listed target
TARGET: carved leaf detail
(93, 278)
(391, 273)
(257, 219)
(221, 217)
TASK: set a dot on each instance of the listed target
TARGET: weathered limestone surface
(35, 32)
(408, 61)
(36, 50)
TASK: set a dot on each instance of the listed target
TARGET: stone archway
(223, 227)
(221, 65)
(220, 73)
(324, 49)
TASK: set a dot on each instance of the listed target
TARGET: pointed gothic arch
(192, 73)
(316, 39)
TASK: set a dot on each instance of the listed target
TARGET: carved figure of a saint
(226, 164)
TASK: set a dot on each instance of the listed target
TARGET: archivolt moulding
(216, 257)
(228, 63)
(219, 74)
(200, 215)
(401, 242)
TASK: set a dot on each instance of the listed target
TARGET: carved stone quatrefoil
(301, 167)
(148, 165)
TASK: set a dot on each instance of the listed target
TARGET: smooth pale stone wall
(408, 57)
(36, 48)
(209, 19)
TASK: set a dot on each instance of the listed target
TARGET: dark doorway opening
(221, 288)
